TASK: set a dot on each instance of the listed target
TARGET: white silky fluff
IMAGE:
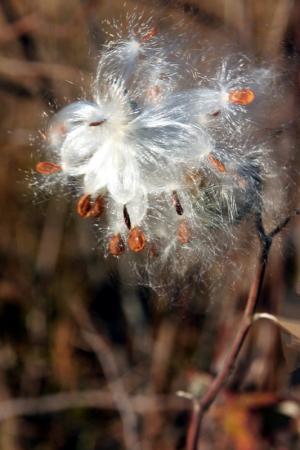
(144, 136)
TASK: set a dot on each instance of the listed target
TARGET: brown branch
(201, 406)
(93, 398)
(284, 223)
(106, 359)
(96, 399)
(12, 67)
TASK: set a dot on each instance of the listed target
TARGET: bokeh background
(89, 360)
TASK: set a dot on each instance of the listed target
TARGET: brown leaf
(291, 326)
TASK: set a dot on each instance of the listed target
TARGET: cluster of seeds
(163, 156)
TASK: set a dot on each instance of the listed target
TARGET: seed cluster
(163, 156)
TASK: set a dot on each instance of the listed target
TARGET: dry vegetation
(87, 361)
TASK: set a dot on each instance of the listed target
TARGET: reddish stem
(201, 406)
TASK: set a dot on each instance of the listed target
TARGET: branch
(97, 399)
(93, 398)
(10, 67)
(201, 406)
(106, 359)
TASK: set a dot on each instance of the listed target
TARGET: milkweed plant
(163, 157)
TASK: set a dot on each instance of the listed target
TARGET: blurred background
(88, 360)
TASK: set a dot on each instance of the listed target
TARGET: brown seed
(184, 233)
(96, 123)
(116, 245)
(47, 168)
(150, 34)
(136, 240)
(98, 207)
(126, 217)
(215, 114)
(86, 207)
(176, 203)
(217, 163)
(241, 97)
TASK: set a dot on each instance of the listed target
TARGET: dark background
(55, 284)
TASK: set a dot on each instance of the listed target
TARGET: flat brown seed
(86, 207)
(126, 217)
(241, 97)
(98, 206)
(176, 203)
(116, 245)
(184, 233)
(47, 168)
(217, 164)
(97, 123)
(136, 240)
(150, 34)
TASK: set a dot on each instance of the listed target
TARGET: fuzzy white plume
(174, 168)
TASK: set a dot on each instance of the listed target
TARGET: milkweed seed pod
(175, 168)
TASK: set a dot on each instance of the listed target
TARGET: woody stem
(201, 406)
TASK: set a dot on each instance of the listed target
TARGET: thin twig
(106, 359)
(12, 67)
(284, 223)
(201, 406)
(96, 399)
(92, 398)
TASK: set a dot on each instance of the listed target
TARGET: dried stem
(201, 406)
(105, 356)
(92, 398)
(12, 67)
